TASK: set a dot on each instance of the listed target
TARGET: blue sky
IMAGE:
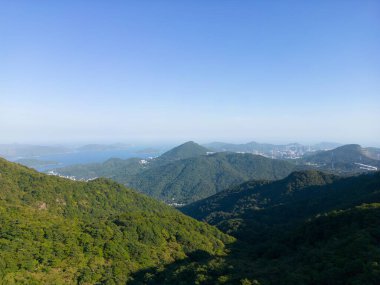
(170, 71)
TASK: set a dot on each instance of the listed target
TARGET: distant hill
(246, 147)
(186, 150)
(24, 150)
(191, 179)
(254, 147)
(373, 152)
(103, 147)
(120, 170)
(347, 158)
(57, 231)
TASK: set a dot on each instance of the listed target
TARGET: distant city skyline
(168, 71)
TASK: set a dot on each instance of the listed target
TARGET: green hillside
(57, 231)
(192, 179)
(256, 195)
(340, 247)
(255, 205)
(309, 228)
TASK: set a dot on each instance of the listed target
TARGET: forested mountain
(186, 150)
(191, 179)
(309, 228)
(341, 247)
(347, 158)
(299, 196)
(57, 231)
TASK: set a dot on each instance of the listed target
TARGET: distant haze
(172, 71)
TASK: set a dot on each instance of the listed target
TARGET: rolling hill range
(58, 231)
(190, 172)
(191, 179)
(122, 170)
(185, 173)
(347, 158)
(254, 147)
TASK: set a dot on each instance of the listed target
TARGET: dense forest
(57, 231)
(192, 179)
(309, 228)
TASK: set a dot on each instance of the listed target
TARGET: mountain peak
(349, 147)
(185, 150)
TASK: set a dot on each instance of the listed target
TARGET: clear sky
(122, 71)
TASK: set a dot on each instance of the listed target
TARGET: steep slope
(347, 158)
(195, 178)
(57, 231)
(341, 247)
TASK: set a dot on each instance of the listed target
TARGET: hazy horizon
(169, 144)
(168, 72)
